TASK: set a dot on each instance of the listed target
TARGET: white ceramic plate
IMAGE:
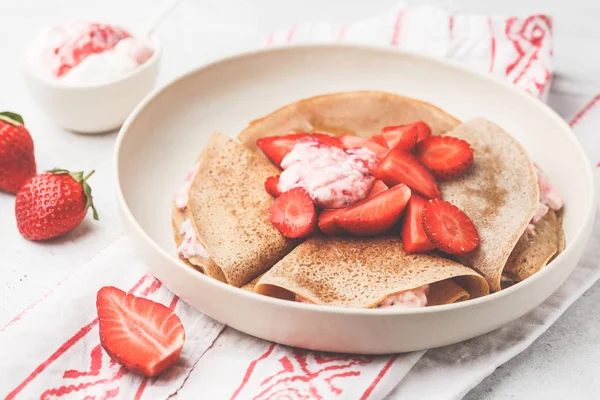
(162, 138)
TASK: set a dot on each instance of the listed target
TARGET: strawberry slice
(446, 157)
(328, 221)
(403, 137)
(400, 167)
(141, 335)
(277, 147)
(351, 141)
(449, 228)
(272, 186)
(378, 187)
(376, 214)
(423, 129)
(379, 139)
(414, 238)
(293, 213)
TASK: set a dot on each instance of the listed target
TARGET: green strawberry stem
(80, 178)
(12, 118)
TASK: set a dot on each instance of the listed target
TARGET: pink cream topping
(409, 298)
(190, 244)
(182, 196)
(333, 177)
(549, 199)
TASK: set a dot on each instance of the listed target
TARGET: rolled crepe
(229, 209)
(204, 265)
(359, 113)
(499, 193)
(535, 249)
(361, 273)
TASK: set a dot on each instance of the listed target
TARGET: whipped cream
(333, 177)
(190, 244)
(549, 199)
(416, 297)
(182, 195)
(80, 54)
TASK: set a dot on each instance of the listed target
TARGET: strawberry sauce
(334, 178)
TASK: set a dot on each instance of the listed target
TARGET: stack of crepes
(222, 228)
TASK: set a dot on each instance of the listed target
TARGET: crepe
(229, 209)
(361, 273)
(359, 113)
(499, 193)
(535, 249)
(206, 266)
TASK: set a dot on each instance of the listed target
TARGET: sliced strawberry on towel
(277, 147)
(141, 335)
(351, 141)
(271, 186)
(450, 229)
(328, 221)
(403, 137)
(378, 187)
(376, 214)
(446, 157)
(401, 167)
(414, 238)
(293, 213)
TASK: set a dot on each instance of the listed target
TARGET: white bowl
(165, 134)
(92, 108)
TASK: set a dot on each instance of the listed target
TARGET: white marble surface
(568, 352)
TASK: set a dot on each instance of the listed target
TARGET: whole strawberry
(52, 204)
(17, 162)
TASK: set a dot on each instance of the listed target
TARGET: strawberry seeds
(392, 179)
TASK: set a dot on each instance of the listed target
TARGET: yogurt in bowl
(89, 76)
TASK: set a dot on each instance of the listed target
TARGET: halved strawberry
(401, 167)
(271, 186)
(141, 335)
(402, 137)
(293, 213)
(450, 229)
(379, 139)
(328, 221)
(423, 129)
(277, 147)
(446, 157)
(376, 214)
(378, 187)
(414, 238)
(351, 141)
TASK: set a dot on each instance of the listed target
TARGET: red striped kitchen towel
(52, 349)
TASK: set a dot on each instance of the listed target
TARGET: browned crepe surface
(252, 284)
(230, 210)
(499, 193)
(534, 250)
(360, 272)
(360, 113)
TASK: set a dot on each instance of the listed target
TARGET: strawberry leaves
(12, 118)
(80, 178)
